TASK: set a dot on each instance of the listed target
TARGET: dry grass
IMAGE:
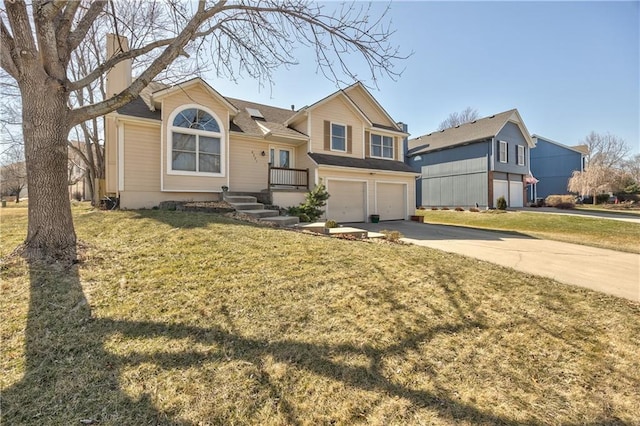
(178, 318)
(590, 231)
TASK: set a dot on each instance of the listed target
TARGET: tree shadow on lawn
(71, 377)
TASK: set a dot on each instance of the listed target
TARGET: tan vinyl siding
(141, 157)
(367, 144)
(370, 109)
(247, 167)
(336, 111)
(111, 154)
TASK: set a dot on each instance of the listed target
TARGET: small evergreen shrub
(602, 198)
(501, 203)
(310, 210)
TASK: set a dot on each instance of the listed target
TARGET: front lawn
(193, 318)
(604, 233)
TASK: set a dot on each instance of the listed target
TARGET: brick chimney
(118, 77)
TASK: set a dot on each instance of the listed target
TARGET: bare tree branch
(467, 115)
(7, 51)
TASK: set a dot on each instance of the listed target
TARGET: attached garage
(515, 194)
(500, 189)
(347, 201)
(391, 201)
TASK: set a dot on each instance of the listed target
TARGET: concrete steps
(248, 205)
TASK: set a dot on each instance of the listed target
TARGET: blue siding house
(473, 164)
(552, 163)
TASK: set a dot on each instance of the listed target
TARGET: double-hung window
(502, 153)
(520, 155)
(338, 137)
(196, 142)
(381, 146)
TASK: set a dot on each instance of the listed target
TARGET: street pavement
(607, 271)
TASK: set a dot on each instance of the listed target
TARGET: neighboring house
(188, 142)
(553, 163)
(474, 163)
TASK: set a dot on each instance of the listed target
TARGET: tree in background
(594, 180)
(38, 42)
(13, 172)
(467, 115)
(606, 150)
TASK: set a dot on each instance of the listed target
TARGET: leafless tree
(13, 172)
(606, 150)
(244, 37)
(467, 115)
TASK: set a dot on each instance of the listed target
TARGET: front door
(280, 157)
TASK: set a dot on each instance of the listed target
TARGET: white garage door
(500, 189)
(391, 201)
(346, 202)
(515, 191)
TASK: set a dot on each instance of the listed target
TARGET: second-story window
(502, 154)
(381, 146)
(520, 155)
(338, 137)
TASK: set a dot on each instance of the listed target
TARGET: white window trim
(346, 137)
(521, 155)
(506, 152)
(382, 148)
(185, 130)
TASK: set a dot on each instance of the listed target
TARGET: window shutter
(327, 135)
(349, 140)
(367, 144)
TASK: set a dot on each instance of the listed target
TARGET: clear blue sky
(568, 67)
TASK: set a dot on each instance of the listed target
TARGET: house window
(195, 142)
(381, 146)
(338, 137)
(502, 154)
(520, 155)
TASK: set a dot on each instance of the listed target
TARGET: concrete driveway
(607, 271)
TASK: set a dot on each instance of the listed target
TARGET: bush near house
(560, 201)
(501, 203)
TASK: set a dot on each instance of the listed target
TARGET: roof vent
(492, 116)
(254, 113)
(293, 107)
(473, 121)
(457, 126)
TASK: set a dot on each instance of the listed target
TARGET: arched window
(196, 142)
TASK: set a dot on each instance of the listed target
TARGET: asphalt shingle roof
(360, 163)
(480, 129)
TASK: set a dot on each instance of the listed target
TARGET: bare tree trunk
(45, 125)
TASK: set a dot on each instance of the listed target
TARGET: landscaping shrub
(459, 209)
(554, 200)
(421, 208)
(501, 203)
(77, 195)
(393, 236)
(434, 208)
(602, 198)
(445, 208)
(310, 211)
(474, 209)
(331, 224)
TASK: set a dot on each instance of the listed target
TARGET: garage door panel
(500, 189)
(391, 201)
(515, 194)
(347, 201)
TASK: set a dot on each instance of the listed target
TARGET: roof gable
(360, 96)
(162, 93)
